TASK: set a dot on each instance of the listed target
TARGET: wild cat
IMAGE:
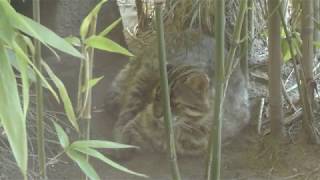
(137, 95)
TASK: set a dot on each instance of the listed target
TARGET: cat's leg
(118, 89)
(130, 135)
(191, 143)
(135, 99)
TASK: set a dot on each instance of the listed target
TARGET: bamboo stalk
(275, 63)
(251, 20)
(39, 99)
(89, 72)
(316, 33)
(80, 83)
(298, 75)
(87, 115)
(244, 47)
(213, 169)
(231, 62)
(165, 91)
(307, 28)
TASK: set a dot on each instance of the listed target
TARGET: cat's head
(189, 92)
(190, 96)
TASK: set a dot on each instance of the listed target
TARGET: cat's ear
(198, 83)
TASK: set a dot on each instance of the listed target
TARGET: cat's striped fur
(137, 95)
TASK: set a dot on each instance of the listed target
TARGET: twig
(293, 176)
(312, 172)
(287, 98)
(315, 77)
(289, 76)
(297, 114)
(260, 115)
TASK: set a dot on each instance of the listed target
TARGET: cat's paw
(122, 154)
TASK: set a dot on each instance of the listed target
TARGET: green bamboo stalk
(89, 72)
(300, 77)
(213, 169)
(88, 94)
(251, 20)
(231, 62)
(244, 47)
(165, 91)
(275, 63)
(80, 83)
(307, 28)
(316, 33)
(39, 99)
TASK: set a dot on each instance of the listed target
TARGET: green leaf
(11, 113)
(91, 83)
(36, 30)
(24, 57)
(75, 41)
(46, 36)
(23, 69)
(285, 50)
(15, 63)
(62, 136)
(84, 165)
(110, 27)
(7, 32)
(84, 28)
(98, 155)
(106, 44)
(100, 144)
(64, 96)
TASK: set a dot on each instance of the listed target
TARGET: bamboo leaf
(62, 136)
(15, 63)
(285, 50)
(36, 30)
(24, 57)
(84, 28)
(98, 155)
(91, 83)
(23, 69)
(110, 27)
(84, 165)
(46, 36)
(75, 41)
(100, 144)
(7, 32)
(11, 113)
(64, 96)
(106, 44)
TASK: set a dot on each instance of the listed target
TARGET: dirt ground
(246, 157)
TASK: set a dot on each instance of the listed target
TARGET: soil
(248, 156)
